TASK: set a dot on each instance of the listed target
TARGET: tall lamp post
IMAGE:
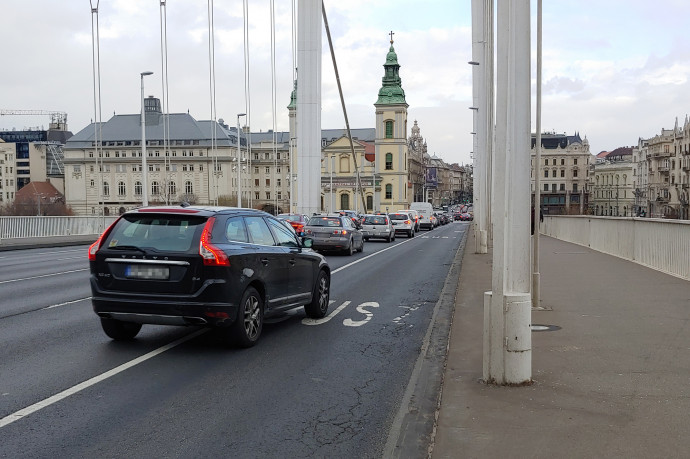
(144, 167)
(239, 163)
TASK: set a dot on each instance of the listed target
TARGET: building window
(268, 182)
(278, 183)
(389, 191)
(256, 182)
(344, 201)
(389, 129)
(575, 188)
(575, 161)
(370, 202)
(279, 195)
(546, 173)
(188, 188)
(256, 195)
(121, 189)
(562, 172)
(553, 186)
(137, 188)
(389, 161)
(268, 195)
(546, 162)
(92, 183)
(268, 170)
(155, 189)
(574, 173)
(172, 189)
(562, 161)
(106, 189)
(554, 161)
(546, 187)
(562, 187)
(256, 170)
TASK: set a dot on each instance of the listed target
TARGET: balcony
(663, 168)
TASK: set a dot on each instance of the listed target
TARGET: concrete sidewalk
(613, 381)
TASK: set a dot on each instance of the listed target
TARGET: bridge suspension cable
(212, 90)
(347, 122)
(247, 92)
(97, 125)
(165, 102)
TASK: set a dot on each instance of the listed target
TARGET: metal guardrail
(41, 227)
(659, 244)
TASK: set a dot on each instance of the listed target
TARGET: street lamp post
(144, 167)
(239, 163)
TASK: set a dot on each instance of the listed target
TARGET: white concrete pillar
(309, 106)
(507, 317)
(483, 119)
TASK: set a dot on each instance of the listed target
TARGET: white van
(426, 212)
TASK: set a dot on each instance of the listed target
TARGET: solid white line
(17, 415)
(66, 303)
(49, 253)
(369, 256)
(43, 275)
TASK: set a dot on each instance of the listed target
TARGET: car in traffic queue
(377, 226)
(334, 232)
(402, 223)
(415, 218)
(221, 267)
(297, 221)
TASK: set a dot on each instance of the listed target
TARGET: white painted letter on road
(368, 314)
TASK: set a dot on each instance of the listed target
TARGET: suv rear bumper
(197, 309)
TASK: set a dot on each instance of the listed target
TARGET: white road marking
(66, 303)
(51, 253)
(358, 323)
(43, 275)
(17, 415)
(372, 255)
(308, 321)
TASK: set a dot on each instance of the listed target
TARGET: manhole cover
(540, 327)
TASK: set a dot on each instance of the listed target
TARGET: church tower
(391, 139)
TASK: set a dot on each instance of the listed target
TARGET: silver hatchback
(377, 226)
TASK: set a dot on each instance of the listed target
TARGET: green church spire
(293, 97)
(391, 92)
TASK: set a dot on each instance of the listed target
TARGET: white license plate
(147, 272)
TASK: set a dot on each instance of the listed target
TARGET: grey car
(334, 232)
(378, 226)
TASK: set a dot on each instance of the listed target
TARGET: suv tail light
(343, 232)
(93, 248)
(212, 255)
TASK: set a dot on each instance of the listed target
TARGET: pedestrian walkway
(611, 373)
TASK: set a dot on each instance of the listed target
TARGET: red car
(297, 221)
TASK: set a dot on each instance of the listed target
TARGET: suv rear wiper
(127, 247)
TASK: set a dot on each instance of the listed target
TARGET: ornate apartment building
(612, 191)
(662, 174)
(563, 172)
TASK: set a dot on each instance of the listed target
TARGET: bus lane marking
(308, 321)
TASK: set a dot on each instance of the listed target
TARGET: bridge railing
(51, 227)
(660, 244)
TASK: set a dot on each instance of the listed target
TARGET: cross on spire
(391, 34)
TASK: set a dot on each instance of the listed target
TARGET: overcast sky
(614, 70)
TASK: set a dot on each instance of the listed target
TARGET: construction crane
(58, 120)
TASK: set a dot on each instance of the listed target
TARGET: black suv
(210, 266)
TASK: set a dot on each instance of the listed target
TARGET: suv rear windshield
(325, 221)
(163, 232)
(399, 217)
(375, 220)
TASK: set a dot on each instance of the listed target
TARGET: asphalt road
(326, 388)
